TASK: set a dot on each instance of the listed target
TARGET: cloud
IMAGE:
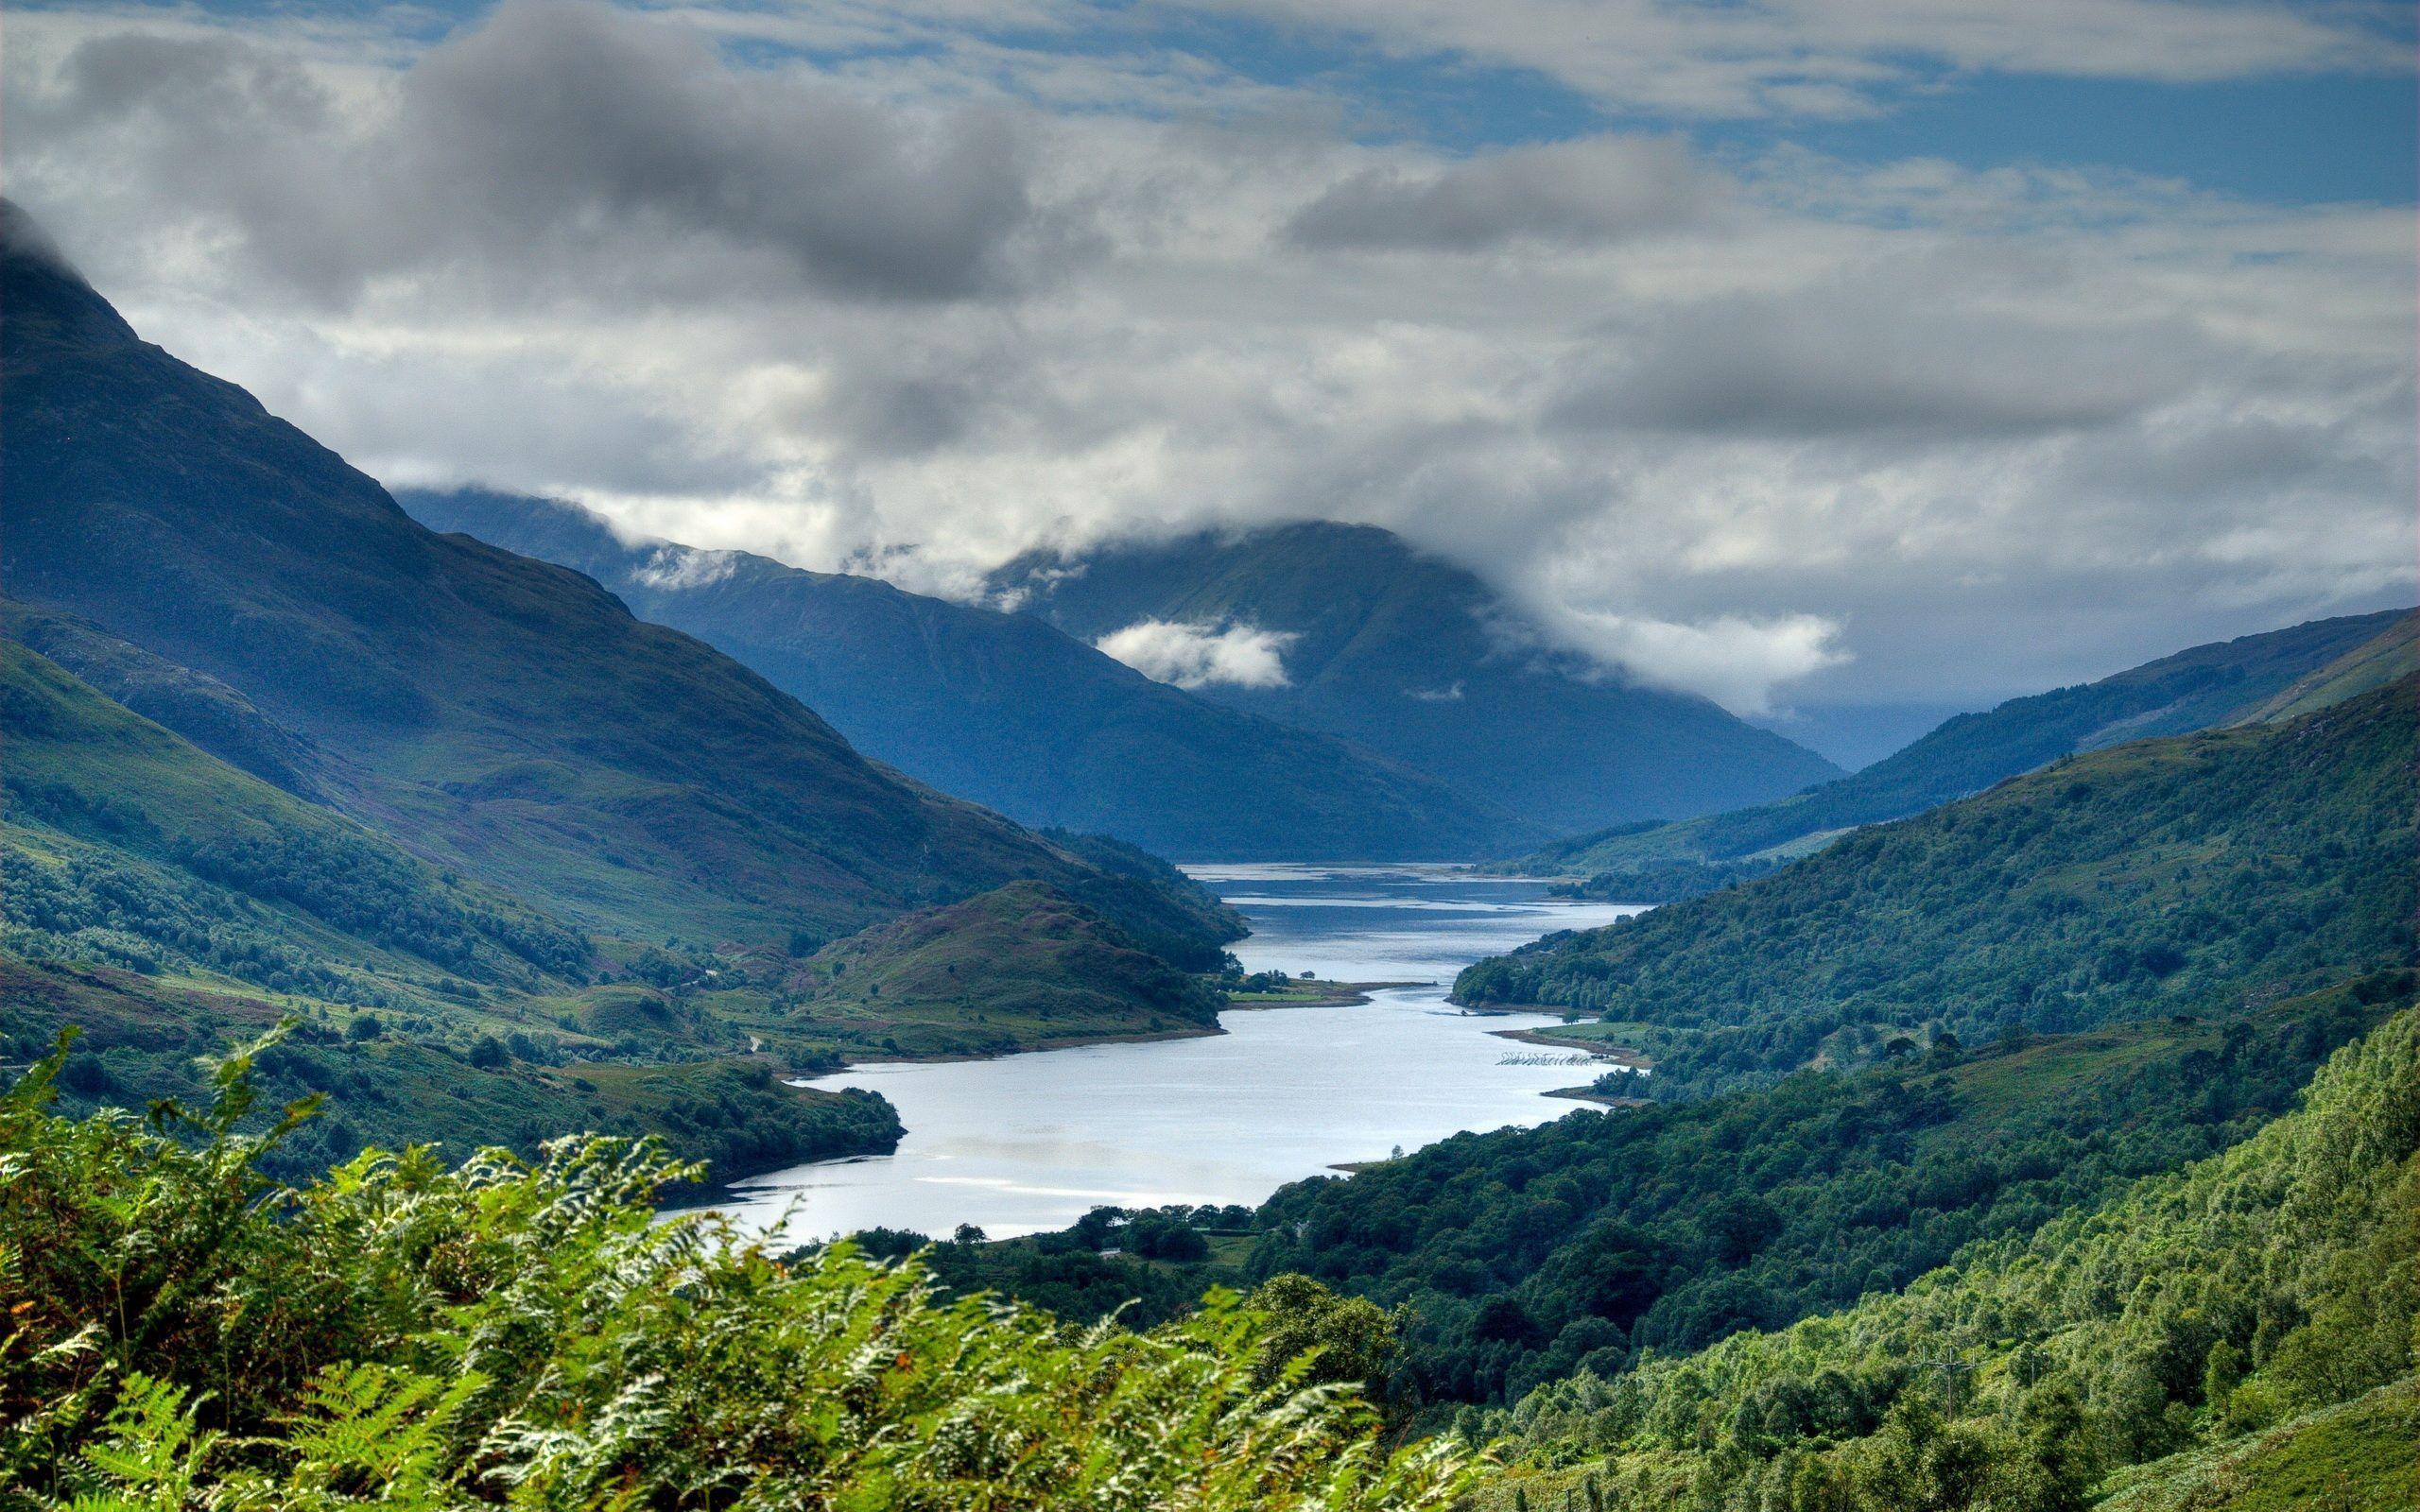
(525, 147)
(877, 308)
(1734, 661)
(1846, 58)
(1888, 355)
(678, 569)
(1571, 193)
(1196, 655)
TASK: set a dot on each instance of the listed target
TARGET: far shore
(1321, 995)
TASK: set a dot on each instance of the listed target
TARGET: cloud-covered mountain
(1347, 629)
(1007, 711)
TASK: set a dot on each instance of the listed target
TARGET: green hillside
(511, 717)
(1023, 967)
(2202, 688)
(1418, 660)
(2190, 874)
(2393, 653)
(1004, 709)
(170, 906)
(126, 845)
(2249, 1323)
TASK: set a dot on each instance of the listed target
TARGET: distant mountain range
(2255, 677)
(1348, 630)
(1007, 711)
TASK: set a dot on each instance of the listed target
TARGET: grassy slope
(2184, 874)
(1020, 968)
(509, 716)
(1005, 709)
(2197, 689)
(2393, 653)
(2348, 1457)
(2230, 1297)
(123, 839)
(1402, 652)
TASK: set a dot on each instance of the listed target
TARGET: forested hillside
(2235, 681)
(2195, 874)
(1007, 711)
(2258, 1307)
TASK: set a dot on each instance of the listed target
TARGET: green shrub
(187, 1334)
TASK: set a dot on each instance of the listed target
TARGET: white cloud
(1571, 193)
(678, 568)
(1734, 661)
(1196, 655)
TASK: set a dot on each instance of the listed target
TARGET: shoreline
(1617, 1055)
(1338, 995)
(1341, 994)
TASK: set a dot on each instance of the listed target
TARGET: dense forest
(2244, 1330)
(2191, 874)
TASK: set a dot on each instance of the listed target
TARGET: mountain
(2223, 683)
(1003, 709)
(2184, 874)
(509, 718)
(514, 861)
(1354, 633)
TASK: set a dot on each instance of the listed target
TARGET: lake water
(1032, 1141)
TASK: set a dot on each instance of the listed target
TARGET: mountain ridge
(1420, 660)
(2201, 687)
(1005, 709)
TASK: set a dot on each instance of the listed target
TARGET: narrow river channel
(1032, 1141)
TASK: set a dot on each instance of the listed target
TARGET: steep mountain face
(2207, 687)
(508, 717)
(1005, 709)
(1416, 659)
(2185, 874)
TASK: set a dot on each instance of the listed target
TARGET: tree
(1354, 1339)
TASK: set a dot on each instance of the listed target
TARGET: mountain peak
(42, 294)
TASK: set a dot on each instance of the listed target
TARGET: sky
(1804, 354)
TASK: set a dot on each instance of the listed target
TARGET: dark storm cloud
(551, 132)
(1871, 362)
(1570, 193)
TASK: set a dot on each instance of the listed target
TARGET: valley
(503, 1010)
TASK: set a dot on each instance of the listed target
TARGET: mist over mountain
(1347, 629)
(1005, 709)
